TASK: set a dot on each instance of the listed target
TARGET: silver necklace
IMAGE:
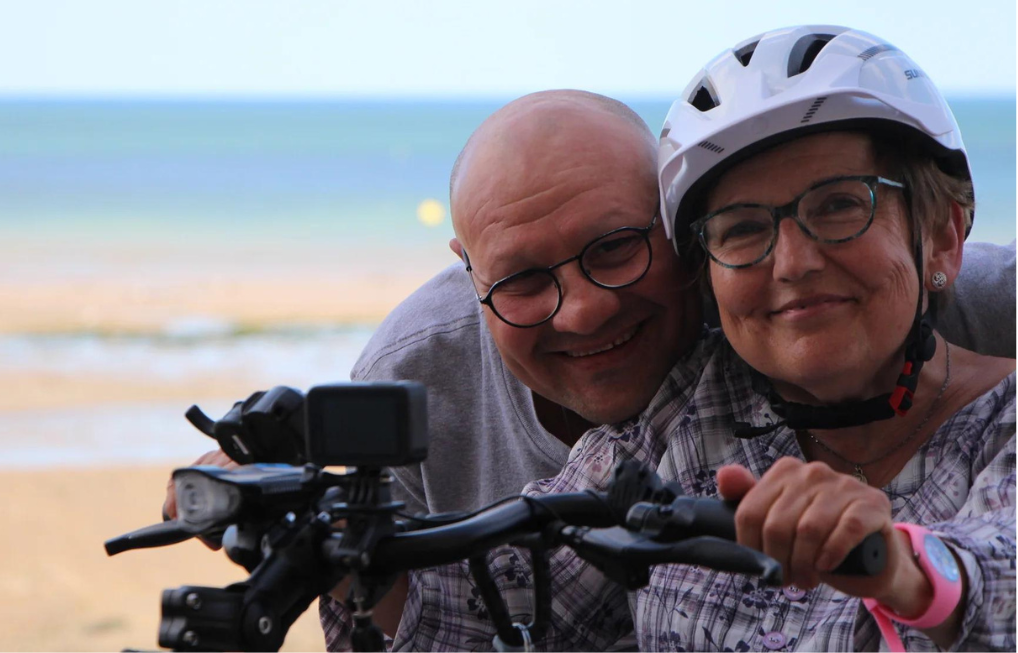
(857, 472)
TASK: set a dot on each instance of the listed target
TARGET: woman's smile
(809, 307)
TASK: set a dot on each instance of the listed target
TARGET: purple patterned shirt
(960, 484)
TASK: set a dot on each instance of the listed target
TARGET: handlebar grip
(868, 558)
(688, 517)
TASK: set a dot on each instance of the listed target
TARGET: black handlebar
(640, 522)
(689, 517)
(481, 533)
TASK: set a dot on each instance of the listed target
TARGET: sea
(368, 176)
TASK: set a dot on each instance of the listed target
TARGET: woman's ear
(945, 250)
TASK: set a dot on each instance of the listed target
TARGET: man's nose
(795, 254)
(585, 306)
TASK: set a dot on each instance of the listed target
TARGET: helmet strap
(921, 344)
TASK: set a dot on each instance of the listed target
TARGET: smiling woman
(866, 419)
(812, 314)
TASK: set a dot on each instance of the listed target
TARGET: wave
(194, 330)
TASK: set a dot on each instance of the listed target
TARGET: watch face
(941, 557)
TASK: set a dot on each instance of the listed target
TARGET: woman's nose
(795, 253)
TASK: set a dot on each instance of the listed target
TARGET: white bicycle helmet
(783, 84)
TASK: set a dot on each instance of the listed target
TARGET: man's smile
(594, 349)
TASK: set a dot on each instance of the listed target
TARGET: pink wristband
(940, 567)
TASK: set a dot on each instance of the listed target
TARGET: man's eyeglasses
(831, 211)
(616, 259)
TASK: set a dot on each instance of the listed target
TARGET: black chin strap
(920, 345)
(850, 413)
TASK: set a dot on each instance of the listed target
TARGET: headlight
(203, 502)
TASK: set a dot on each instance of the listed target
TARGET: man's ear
(456, 247)
(945, 251)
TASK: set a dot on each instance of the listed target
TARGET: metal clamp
(528, 643)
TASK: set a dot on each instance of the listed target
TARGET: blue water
(354, 169)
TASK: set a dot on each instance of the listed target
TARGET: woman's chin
(820, 380)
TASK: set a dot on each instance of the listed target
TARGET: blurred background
(199, 200)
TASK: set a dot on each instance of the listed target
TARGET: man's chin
(609, 410)
(610, 398)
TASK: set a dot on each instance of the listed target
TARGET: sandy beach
(49, 285)
(58, 589)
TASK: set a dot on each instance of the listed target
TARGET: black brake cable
(452, 518)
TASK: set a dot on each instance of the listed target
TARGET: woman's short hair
(931, 189)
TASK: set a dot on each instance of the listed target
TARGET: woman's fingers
(866, 514)
(734, 481)
(815, 524)
(804, 515)
(788, 532)
(755, 507)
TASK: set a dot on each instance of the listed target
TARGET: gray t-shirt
(981, 312)
(485, 441)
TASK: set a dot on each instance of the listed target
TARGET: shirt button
(793, 593)
(773, 641)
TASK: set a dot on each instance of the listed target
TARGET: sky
(455, 49)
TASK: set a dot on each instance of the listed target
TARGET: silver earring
(939, 280)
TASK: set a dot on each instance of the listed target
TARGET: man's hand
(217, 458)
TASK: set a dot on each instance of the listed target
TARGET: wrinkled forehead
(535, 220)
(532, 182)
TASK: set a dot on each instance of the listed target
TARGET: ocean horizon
(160, 168)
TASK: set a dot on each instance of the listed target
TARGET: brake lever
(625, 557)
(162, 534)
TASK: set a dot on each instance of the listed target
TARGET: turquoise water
(307, 169)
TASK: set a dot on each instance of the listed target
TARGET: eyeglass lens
(833, 212)
(612, 261)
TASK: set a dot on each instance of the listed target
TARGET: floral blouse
(960, 485)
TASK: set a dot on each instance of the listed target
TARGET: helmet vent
(813, 108)
(745, 53)
(713, 147)
(703, 98)
(805, 51)
(869, 53)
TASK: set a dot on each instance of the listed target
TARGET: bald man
(538, 182)
(568, 309)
